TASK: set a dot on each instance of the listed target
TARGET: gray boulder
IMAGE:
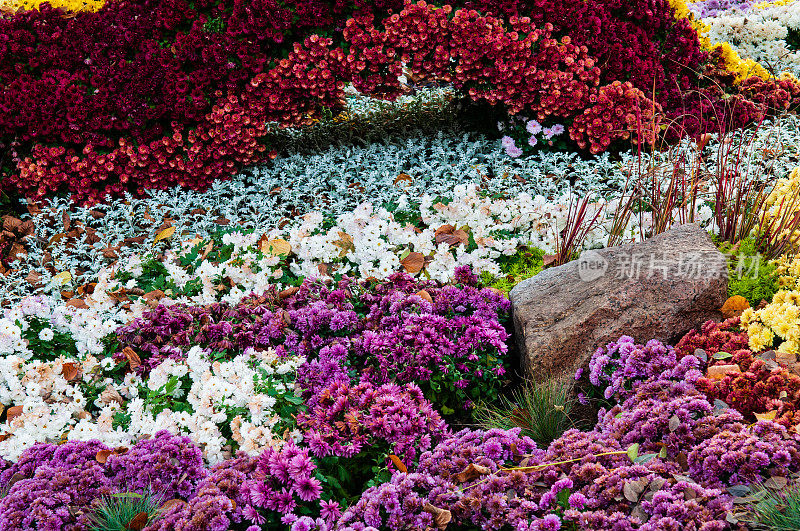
(656, 289)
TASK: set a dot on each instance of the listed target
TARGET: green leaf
(663, 453)
(633, 452)
(722, 355)
(644, 458)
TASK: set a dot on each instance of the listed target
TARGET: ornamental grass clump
(124, 511)
(541, 410)
(778, 510)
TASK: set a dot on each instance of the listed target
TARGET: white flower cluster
(371, 241)
(79, 399)
(760, 34)
(220, 393)
(43, 404)
(87, 326)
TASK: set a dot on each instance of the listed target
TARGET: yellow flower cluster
(782, 204)
(70, 6)
(788, 272)
(778, 320)
(743, 68)
(762, 5)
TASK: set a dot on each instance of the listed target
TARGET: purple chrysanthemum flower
(308, 489)
(533, 127)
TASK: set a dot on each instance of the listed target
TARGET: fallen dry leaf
(403, 178)
(102, 456)
(472, 471)
(276, 247)
(138, 522)
(288, 292)
(344, 243)
(13, 412)
(164, 234)
(169, 504)
(77, 303)
(425, 295)
(718, 372)
(441, 517)
(413, 263)
(769, 415)
(398, 463)
(133, 358)
(69, 370)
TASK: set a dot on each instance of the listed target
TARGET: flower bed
(212, 108)
(324, 341)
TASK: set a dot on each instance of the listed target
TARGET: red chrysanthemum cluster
(759, 388)
(620, 111)
(180, 93)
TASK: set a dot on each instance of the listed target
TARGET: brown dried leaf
(164, 234)
(398, 463)
(152, 298)
(472, 471)
(69, 370)
(16, 250)
(769, 415)
(133, 358)
(413, 263)
(441, 517)
(717, 372)
(344, 243)
(77, 303)
(734, 306)
(776, 482)
(403, 178)
(110, 253)
(110, 395)
(632, 489)
(34, 279)
(276, 247)
(206, 250)
(425, 295)
(444, 229)
(288, 292)
(138, 522)
(169, 504)
(13, 412)
(549, 259)
(102, 456)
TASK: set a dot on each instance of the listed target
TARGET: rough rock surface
(656, 289)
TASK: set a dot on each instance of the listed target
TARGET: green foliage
(749, 274)
(542, 410)
(116, 512)
(526, 263)
(46, 341)
(777, 510)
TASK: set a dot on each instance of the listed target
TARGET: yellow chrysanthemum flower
(70, 6)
